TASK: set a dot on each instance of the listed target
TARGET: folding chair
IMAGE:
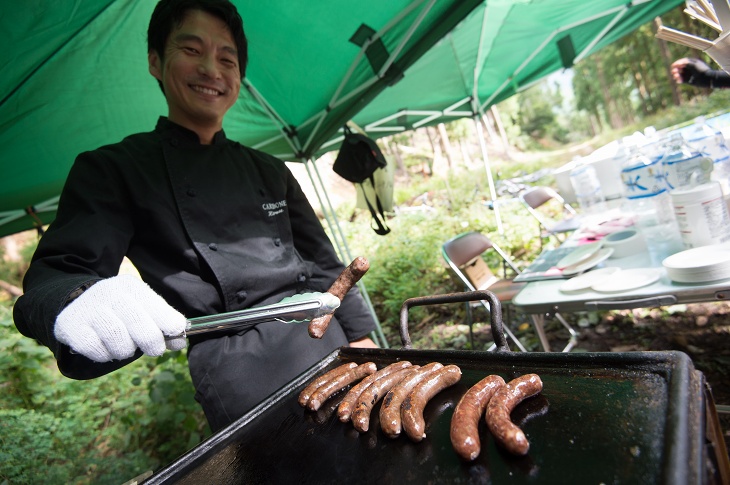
(536, 200)
(464, 254)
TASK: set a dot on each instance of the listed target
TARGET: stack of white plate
(698, 265)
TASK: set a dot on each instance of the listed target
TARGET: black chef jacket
(211, 228)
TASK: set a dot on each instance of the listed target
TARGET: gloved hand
(696, 73)
(115, 316)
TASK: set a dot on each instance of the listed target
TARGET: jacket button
(241, 296)
(213, 247)
(191, 193)
(277, 242)
(173, 142)
(301, 278)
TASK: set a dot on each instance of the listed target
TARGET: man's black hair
(171, 13)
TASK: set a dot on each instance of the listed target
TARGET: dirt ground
(701, 330)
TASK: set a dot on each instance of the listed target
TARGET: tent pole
(341, 244)
(485, 157)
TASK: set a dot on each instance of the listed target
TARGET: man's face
(199, 71)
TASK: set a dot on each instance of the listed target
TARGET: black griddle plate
(636, 417)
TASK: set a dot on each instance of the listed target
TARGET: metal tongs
(315, 308)
(295, 309)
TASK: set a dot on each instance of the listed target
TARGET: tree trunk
(446, 145)
(502, 132)
(595, 124)
(654, 101)
(489, 129)
(465, 153)
(612, 115)
(435, 149)
(667, 59)
(628, 111)
(636, 76)
(393, 149)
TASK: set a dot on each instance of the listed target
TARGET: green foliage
(407, 262)
(56, 430)
(629, 80)
(536, 115)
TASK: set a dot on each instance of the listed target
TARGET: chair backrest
(464, 255)
(538, 196)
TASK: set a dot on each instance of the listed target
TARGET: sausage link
(326, 390)
(316, 383)
(347, 406)
(415, 402)
(501, 405)
(390, 421)
(465, 421)
(373, 393)
(347, 279)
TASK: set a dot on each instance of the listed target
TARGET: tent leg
(341, 244)
(485, 157)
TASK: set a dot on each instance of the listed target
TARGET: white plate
(715, 274)
(587, 264)
(586, 280)
(579, 254)
(699, 259)
(628, 279)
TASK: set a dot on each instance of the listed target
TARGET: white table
(538, 298)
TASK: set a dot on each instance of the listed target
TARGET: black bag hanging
(357, 161)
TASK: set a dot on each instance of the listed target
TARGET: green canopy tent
(75, 77)
(501, 48)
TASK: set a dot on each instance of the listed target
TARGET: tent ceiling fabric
(502, 47)
(76, 78)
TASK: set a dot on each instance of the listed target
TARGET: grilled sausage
(316, 383)
(468, 412)
(415, 402)
(373, 393)
(501, 405)
(326, 390)
(347, 406)
(347, 279)
(390, 421)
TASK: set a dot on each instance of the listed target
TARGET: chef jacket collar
(171, 129)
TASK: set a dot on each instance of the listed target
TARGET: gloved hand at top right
(696, 73)
(115, 316)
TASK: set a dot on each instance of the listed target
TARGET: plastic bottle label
(688, 172)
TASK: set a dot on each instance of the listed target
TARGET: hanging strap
(382, 229)
(37, 223)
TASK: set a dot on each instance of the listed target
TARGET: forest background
(55, 430)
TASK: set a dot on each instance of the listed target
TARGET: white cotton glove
(115, 316)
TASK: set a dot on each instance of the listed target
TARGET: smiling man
(211, 225)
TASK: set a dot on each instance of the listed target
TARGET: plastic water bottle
(711, 142)
(587, 188)
(647, 199)
(685, 166)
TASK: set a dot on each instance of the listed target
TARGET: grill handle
(495, 313)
